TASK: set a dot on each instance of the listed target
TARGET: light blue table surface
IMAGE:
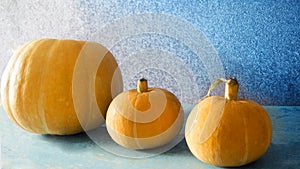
(24, 150)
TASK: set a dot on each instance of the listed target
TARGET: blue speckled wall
(257, 42)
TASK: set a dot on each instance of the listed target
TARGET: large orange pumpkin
(145, 117)
(45, 82)
(227, 131)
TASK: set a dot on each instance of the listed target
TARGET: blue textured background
(258, 42)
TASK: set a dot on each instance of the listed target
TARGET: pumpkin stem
(214, 84)
(142, 86)
(231, 89)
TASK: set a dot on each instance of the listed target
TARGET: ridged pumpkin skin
(36, 86)
(143, 120)
(228, 133)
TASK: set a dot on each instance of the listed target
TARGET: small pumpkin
(228, 131)
(45, 82)
(144, 118)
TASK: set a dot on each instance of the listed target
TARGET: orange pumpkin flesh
(36, 86)
(226, 131)
(134, 121)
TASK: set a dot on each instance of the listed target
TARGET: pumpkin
(45, 82)
(228, 131)
(144, 118)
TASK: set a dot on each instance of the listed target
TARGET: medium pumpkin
(227, 131)
(144, 118)
(44, 85)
